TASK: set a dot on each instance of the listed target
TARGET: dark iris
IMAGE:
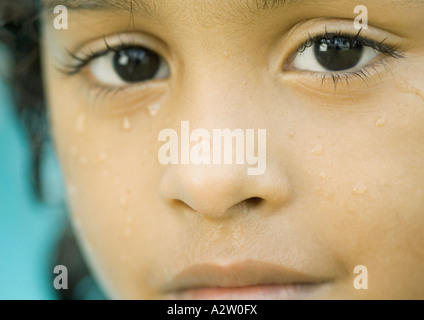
(337, 54)
(136, 64)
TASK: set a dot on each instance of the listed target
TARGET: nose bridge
(212, 84)
(212, 104)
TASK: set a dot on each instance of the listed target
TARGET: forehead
(150, 4)
(157, 9)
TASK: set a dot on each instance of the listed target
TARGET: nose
(220, 191)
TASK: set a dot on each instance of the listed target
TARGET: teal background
(28, 229)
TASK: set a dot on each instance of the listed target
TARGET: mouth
(249, 280)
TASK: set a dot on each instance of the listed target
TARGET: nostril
(253, 202)
(176, 203)
(246, 205)
(243, 206)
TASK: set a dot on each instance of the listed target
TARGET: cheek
(371, 196)
(111, 171)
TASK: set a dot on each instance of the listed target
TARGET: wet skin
(344, 182)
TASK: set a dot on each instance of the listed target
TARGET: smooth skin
(344, 184)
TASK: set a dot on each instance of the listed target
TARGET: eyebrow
(150, 8)
(146, 6)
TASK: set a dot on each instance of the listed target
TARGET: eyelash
(94, 89)
(392, 51)
(80, 63)
(363, 74)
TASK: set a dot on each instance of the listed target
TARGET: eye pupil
(136, 64)
(337, 54)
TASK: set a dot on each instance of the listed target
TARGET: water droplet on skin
(292, 133)
(83, 160)
(123, 201)
(381, 122)
(318, 150)
(127, 233)
(323, 175)
(406, 87)
(80, 123)
(360, 189)
(101, 157)
(226, 54)
(73, 151)
(154, 109)
(126, 124)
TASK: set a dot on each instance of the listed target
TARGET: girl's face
(343, 112)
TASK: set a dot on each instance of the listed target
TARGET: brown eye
(334, 54)
(136, 64)
(338, 54)
(129, 65)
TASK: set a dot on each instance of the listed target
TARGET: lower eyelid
(112, 101)
(358, 80)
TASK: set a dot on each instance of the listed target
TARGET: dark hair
(19, 31)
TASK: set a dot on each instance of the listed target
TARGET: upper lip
(237, 275)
